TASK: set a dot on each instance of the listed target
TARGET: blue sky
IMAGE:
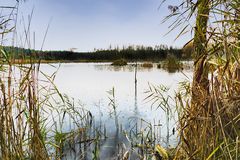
(89, 24)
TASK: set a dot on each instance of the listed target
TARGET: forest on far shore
(130, 53)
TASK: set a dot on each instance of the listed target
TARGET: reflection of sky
(89, 24)
(88, 83)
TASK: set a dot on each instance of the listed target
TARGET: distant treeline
(130, 53)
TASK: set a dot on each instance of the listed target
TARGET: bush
(172, 64)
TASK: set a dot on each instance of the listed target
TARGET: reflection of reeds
(34, 115)
(113, 105)
(208, 129)
(158, 95)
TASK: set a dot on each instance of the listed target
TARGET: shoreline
(19, 61)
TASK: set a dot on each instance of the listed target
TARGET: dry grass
(32, 110)
(212, 128)
(207, 130)
(209, 118)
(208, 110)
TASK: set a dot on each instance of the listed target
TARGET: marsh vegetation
(200, 119)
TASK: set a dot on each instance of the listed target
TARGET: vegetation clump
(172, 64)
(147, 65)
(119, 62)
(208, 109)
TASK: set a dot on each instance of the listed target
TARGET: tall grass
(21, 133)
(208, 110)
(171, 64)
(21, 106)
(209, 116)
(32, 110)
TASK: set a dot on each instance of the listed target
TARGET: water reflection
(187, 66)
(128, 68)
(89, 83)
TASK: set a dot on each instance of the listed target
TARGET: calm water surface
(89, 83)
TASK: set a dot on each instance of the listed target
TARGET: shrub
(172, 64)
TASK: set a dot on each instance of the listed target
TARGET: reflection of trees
(131, 68)
(127, 68)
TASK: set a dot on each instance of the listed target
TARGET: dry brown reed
(28, 97)
(209, 115)
(209, 118)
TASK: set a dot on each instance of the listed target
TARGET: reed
(209, 109)
(32, 110)
(22, 134)
(171, 64)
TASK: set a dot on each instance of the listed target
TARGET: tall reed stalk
(28, 100)
(209, 117)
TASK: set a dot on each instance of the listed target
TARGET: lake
(89, 83)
